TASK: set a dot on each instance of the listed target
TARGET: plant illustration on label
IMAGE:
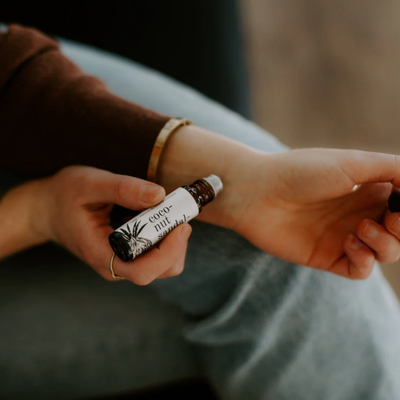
(138, 244)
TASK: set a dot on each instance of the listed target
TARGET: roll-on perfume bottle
(143, 231)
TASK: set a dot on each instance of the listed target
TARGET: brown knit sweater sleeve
(53, 115)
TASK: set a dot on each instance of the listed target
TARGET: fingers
(392, 224)
(368, 167)
(373, 242)
(99, 186)
(175, 270)
(385, 245)
(166, 260)
(358, 261)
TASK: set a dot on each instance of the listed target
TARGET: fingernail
(185, 233)
(370, 231)
(354, 243)
(396, 225)
(151, 193)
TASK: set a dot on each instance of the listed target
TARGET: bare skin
(72, 208)
(300, 205)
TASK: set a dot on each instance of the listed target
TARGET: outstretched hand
(323, 208)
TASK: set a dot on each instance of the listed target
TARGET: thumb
(126, 191)
(369, 167)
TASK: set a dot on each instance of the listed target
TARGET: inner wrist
(17, 209)
(192, 153)
(38, 211)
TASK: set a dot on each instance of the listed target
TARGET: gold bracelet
(168, 128)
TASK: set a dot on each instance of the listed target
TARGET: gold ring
(114, 276)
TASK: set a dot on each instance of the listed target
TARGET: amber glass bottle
(183, 204)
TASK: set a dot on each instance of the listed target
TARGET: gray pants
(255, 326)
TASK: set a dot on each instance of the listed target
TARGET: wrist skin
(192, 153)
(18, 228)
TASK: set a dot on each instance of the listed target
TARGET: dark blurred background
(198, 42)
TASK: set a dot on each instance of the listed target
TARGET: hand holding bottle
(73, 209)
(142, 232)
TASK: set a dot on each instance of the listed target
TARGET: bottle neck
(201, 191)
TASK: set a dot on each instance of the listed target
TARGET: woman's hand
(74, 210)
(298, 205)
(322, 208)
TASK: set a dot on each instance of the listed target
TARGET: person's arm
(72, 208)
(52, 114)
(322, 208)
(297, 205)
(16, 209)
(192, 152)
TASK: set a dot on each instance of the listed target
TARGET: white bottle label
(153, 224)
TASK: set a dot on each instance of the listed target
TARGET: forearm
(192, 153)
(16, 228)
(53, 115)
